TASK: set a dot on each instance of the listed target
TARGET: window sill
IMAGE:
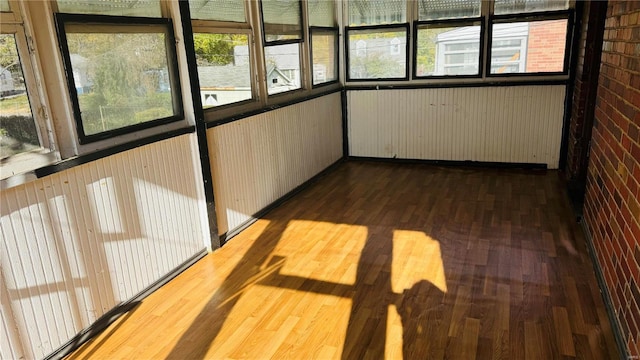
(19, 169)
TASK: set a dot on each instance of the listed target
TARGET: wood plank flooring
(392, 261)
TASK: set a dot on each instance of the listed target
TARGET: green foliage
(21, 128)
(216, 49)
(151, 114)
(376, 66)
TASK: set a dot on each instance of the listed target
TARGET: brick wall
(546, 43)
(612, 206)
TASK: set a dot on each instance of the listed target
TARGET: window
(149, 8)
(377, 61)
(4, 6)
(18, 131)
(321, 13)
(376, 12)
(324, 55)
(283, 68)
(223, 53)
(394, 48)
(446, 9)
(281, 20)
(218, 10)
(122, 77)
(526, 6)
(448, 51)
(223, 68)
(25, 143)
(528, 47)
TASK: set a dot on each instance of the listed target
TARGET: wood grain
(375, 260)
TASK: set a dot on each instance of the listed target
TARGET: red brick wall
(612, 206)
(545, 49)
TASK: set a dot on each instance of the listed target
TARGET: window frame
(61, 19)
(336, 55)
(462, 22)
(568, 14)
(20, 165)
(382, 28)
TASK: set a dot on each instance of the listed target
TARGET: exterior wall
(257, 160)
(612, 205)
(77, 243)
(545, 48)
(520, 124)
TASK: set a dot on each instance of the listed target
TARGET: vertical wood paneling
(518, 124)
(259, 159)
(77, 243)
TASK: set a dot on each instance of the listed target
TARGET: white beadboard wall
(516, 124)
(259, 159)
(77, 243)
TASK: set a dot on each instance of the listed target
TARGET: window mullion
(260, 78)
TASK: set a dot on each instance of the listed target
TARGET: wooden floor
(383, 260)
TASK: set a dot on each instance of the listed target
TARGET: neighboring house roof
(273, 70)
(224, 76)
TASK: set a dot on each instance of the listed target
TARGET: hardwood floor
(386, 260)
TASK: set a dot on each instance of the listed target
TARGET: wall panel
(77, 243)
(257, 160)
(519, 124)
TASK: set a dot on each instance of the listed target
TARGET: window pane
(121, 79)
(325, 68)
(448, 51)
(447, 9)
(377, 54)
(220, 10)
(375, 12)
(528, 47)
(149, 8)
(223, 68)
(18, 132)
(520, 6)
(4, 6)
(283, 68)
(282, 20)
(321, 13)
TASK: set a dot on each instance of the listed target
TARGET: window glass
(321, 13)
(528, 47)
(219, 10)
(373, 54)
(323, 50)
(148, 8)
(18, 132)
(4, 6)
(376, 12)
(282, 20)
(446, 51)
(283, 67)
(122, 78)
(447, 9)
(521, 6)
(223, 68)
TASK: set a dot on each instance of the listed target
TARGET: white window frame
(19, 167)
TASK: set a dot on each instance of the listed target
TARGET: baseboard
(112, 315)
(261, 213)
(606, 296)
(454, 163)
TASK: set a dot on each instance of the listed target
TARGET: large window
(25, 142)
(528, 47)
(324, 55)
(222, 39)
(283, 39)
(122, 77)
(377, 53)
(470, 39)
